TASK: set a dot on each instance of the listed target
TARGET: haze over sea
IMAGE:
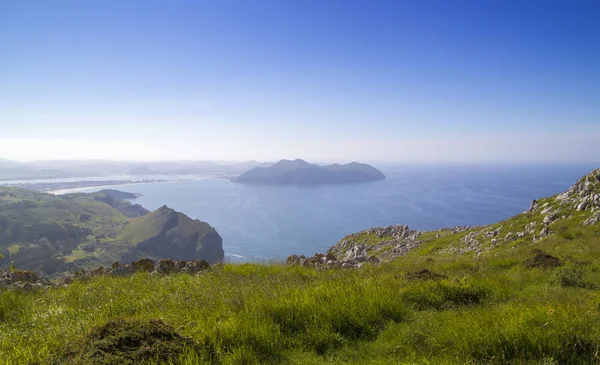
(272, 222)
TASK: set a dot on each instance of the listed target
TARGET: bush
(571, 277)
(444, 294)
(128, 342)
(540, 259)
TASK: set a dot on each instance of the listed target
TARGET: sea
(262, 223)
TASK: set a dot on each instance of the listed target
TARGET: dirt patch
(540, 259)
(128, 342)
(424, 274)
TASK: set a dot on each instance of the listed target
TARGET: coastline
(100, 186)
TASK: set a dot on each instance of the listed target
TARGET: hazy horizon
(340, 81)
(314, 161)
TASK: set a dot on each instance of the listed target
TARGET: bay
(259, 222)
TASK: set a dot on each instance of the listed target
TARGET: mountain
(57, 233)
(166, 233)
(141, 170)
(300, 172)
(12, 170)
(55, 169)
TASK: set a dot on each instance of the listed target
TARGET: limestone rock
(195, 266)
(533, 206)
(550, 218)
(593, 219)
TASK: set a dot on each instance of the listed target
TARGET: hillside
(300, 172)
(522, 291)
(52, 234)
(166, 233)
(566, 215)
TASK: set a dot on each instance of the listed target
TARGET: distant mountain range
(56, 169)
(300, 172)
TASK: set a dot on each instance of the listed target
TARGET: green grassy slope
(487, 303)
(47, 233)
(54, 234)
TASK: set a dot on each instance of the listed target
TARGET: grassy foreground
(491, 309)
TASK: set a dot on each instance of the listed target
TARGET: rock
(123, 270)
(25, 286)
(97, 272)
(533, 206)
(358, 252)
(351, 265)
(166, 267)
(543, 233)
(582, 206)
(24, 276)
(593, 219)
(470, 242)
(550, 218)
(530, 228)
(373, 260)
(144, 265)
(493, 233)
(195, 266)
(293, 260)
(115, 265)
(179, 265)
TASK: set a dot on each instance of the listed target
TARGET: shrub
(444, 294)
(128, 342)
(540, 259)
(571, 277)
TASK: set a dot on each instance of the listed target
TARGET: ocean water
(272, 222)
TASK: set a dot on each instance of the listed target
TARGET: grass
(490, 310)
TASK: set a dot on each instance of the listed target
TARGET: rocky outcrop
(320, 260)
(392, 241)
(162, 267)
(584, 194)
(376, 244)
(22, 280)
(593, 219)
(28, 280)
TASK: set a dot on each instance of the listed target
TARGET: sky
(334, 80)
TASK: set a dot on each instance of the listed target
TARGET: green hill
(52, 234)
(522, 291)
(300, 172)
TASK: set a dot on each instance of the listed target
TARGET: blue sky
(322, 80)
